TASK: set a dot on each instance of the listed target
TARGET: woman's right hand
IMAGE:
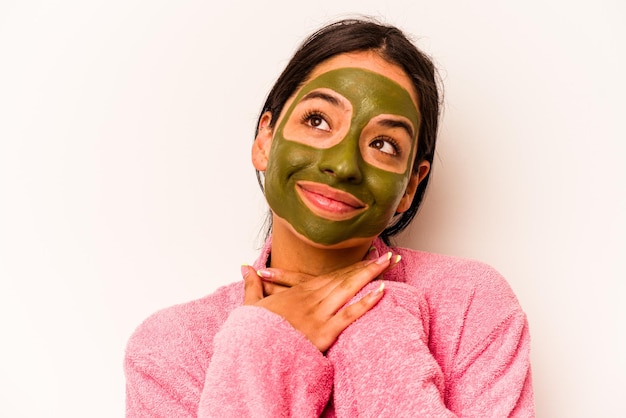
(313, 306)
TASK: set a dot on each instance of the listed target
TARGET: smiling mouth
(328, 202)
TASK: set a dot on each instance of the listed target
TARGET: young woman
(330, 320)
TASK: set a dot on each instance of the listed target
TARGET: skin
(312, 307)
(348, 161)
(313, 276)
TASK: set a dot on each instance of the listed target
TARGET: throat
(291, 251)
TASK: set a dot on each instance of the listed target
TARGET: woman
(330, 320)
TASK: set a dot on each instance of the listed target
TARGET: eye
(385, 145)
(316, 120)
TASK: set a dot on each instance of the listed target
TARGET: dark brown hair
(352, 35)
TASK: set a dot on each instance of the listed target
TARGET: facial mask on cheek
(380, 190)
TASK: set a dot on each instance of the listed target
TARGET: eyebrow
(321, 95)
(393, 123)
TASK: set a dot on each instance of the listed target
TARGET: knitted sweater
(448, 338)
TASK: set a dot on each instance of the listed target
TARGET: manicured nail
(397, 259)
(384, 258)
(266, 274)
(244, 270)
(372, 254)
(376, 294)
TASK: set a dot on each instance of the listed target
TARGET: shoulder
(462, 295)
(178, 331)
(470, 305)
(438, 274)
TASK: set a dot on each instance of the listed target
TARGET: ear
(411, 188)
(262, 142)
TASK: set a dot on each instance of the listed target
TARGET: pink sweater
(447, 339)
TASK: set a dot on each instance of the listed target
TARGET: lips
(328, 202)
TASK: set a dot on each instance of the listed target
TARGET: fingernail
(397, 259)
(266, 274)
(372, 254)
(375, 294)
(384, 258)
(244, 270)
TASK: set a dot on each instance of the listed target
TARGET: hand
(278, 280)
(312, 305)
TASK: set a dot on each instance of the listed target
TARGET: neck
(291, 251)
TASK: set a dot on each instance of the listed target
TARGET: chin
(345, 244)
(349, 242)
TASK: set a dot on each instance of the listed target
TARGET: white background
(126, 187)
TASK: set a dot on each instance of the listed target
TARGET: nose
(343, 161)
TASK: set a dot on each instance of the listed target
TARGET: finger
(253, 286)
(340, 291)
(372, 254)
(290, 278)
(361, 272)
(346, 316)
(270, 288)
(283, 277)
(332, 279)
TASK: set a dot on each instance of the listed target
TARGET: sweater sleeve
(210, 358)
(383, 366)
(164, 365)
(263, 367)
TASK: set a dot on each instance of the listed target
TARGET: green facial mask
(370, 94)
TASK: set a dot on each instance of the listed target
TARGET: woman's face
(338, 165)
